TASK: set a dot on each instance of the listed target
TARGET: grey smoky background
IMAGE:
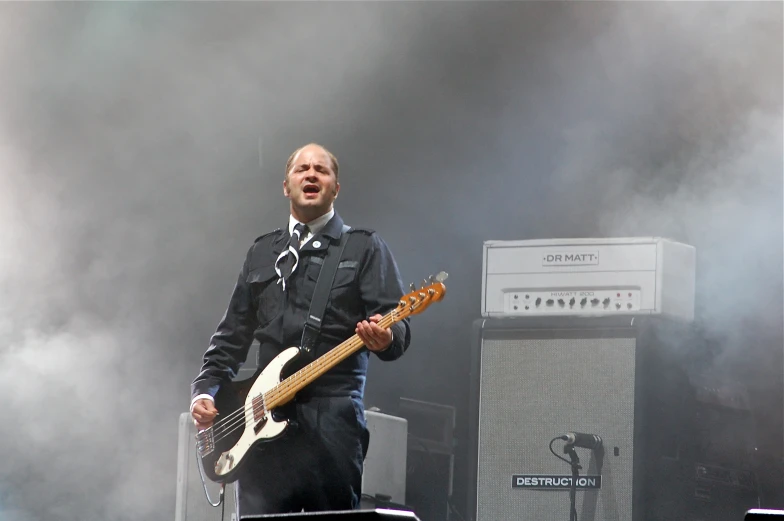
(142, 148)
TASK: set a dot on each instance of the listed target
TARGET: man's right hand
(203, 413)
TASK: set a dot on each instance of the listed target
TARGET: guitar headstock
(416, 301)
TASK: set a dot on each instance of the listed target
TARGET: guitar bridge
(205, 442)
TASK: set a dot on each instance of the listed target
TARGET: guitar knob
(413, 287)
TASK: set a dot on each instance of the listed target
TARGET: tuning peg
(442, 276)
(413, 287)
(424, 282)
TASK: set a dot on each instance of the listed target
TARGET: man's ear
(286, 187)
(337, 189)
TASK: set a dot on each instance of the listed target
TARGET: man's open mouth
(311, 189)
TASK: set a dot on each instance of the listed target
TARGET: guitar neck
(288, 388)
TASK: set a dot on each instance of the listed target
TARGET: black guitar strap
(321, 294)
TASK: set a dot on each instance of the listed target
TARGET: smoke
(690, 149)
(130, 191)
(89, 386)
(127, 178)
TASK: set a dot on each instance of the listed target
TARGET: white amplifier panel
(588, 277)
(384, 471)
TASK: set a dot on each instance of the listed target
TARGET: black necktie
(288, 259)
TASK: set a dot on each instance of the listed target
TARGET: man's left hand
(375, 337)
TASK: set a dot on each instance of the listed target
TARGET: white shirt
(314, 226)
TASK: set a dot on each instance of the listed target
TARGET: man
(318, 465)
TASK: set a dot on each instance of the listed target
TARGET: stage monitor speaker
(379, 514)
(384, 469)
(761, 514)
(191, 501)
(534, 380)
(384, 473)
(430, 468)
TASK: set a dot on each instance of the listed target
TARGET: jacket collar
(334, 228)
(332, 231)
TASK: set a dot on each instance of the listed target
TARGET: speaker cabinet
(533, 380)
(711, 472)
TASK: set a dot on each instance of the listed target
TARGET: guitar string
(272, 393)
(244, 420)
(306, 375)
(234, 420)
(238, 421)
(299, 379)
(302, 377)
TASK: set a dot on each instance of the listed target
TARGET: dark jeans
(316, 466)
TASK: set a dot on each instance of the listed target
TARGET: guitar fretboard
(288, 388)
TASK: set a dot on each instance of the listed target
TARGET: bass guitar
(250, 404)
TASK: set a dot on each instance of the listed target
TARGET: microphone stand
(575, 462)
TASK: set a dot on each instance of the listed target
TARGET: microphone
(578, 439)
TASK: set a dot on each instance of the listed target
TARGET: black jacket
(367, 282)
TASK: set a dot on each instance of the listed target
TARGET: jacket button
(317, 244)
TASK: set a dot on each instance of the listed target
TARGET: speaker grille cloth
(532, 390)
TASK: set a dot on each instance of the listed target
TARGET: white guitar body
(258, 428)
